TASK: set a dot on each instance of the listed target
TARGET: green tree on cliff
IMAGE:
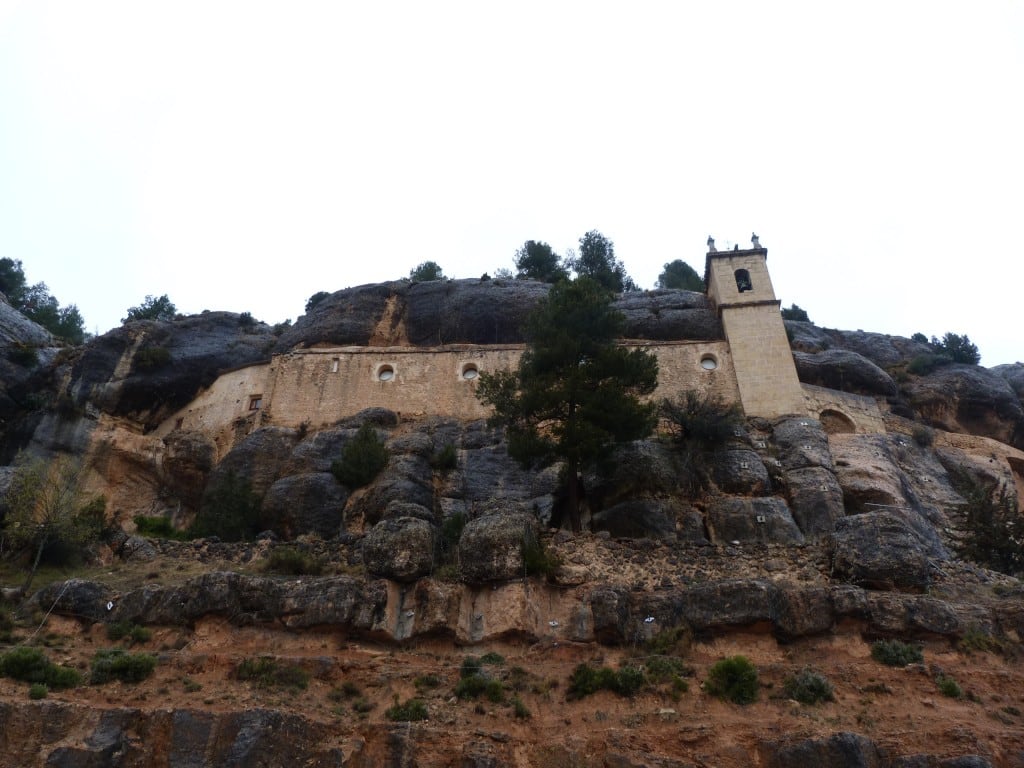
(428, 270)
(596, 260)
(45, 510)
(576, 393)
(153, 308)
(679, 274)
(537, 261)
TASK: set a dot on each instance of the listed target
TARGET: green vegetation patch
(30, 665)
(949, 687)
(586, 680)
(808, 687)
(896, 653)
(266, 672)
(291, 561)
(362, 458)
(127, 630)
(733, 679)
(410, 711)
(158, 528)
(116, 664)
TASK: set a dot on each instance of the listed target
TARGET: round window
(470, 372)
(708, 363)
(385, 373)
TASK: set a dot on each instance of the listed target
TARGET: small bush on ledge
(808, 687)
(410, 711)
(266, 672)
(115, 664)
(896, 653)
(733, 679)
(362, 459)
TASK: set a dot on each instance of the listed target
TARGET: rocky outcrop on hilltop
(440, 312)
(844, 370)
(148, 369)
(970, 399)
(881, 349)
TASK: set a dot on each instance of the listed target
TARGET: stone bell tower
(738, 283)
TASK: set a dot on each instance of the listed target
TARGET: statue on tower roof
(711, 244)
(754, 239)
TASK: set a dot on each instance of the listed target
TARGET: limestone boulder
(844, 370)
(491, 547)
(407, 478)
(1014, 375)
(640, 469)
(881, 349)
(25, 348)
(639, 519)
(878, 550)
(349, 317)
(741, 520)
(971, 399)
(401, 548)
(815, 500)
(188, 460)
(801, 442)
(317, 451)
(295, 505)
(470, 311)
(669, 314)
(690, 527)
(762, 520)
(137, 549)
(739, 471)
(869, 472)
(259, 459)
(396, 509)
(840, 750)
(76, 597)
(488, 472)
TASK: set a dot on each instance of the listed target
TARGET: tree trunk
(34, 568)
(573, 478)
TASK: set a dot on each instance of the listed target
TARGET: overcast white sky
(244, 155)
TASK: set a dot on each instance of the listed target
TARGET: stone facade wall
(863, 412)
(225, 401)
(320, 386)
(765, 371)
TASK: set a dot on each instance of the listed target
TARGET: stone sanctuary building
(750, 363)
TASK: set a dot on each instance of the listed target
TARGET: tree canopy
(428, 270)
(39, 305)
(315, 299)
(960, 349)
(679, 274)
(152, 308)
(45, 508)
(537, 261)
(795, 313)
(576, 393)
(596, 260)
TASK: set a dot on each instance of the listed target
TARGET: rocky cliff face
(790, 542)
(477, 312)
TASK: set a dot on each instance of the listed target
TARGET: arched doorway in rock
(835, 422)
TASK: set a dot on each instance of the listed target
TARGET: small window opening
(470, 371)
(743, 281)
(385, 373)
(708, 362)
(334, 365)
(255, 402)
